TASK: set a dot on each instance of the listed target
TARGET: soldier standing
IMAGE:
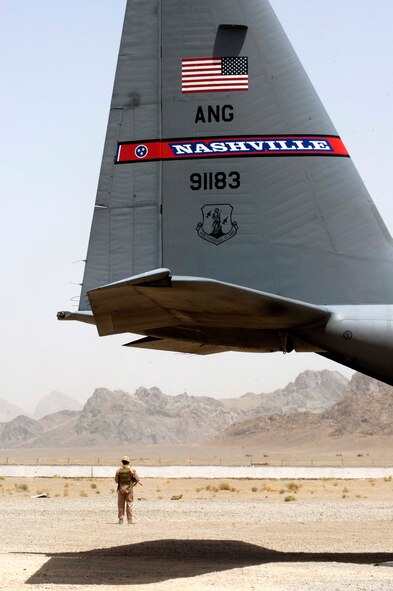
(126, 478)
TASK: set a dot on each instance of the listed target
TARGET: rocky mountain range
(52, 403)
(365, 409)
(55, 402)
(9, 411)
(116, 417)
(150, 417)
(312, 390)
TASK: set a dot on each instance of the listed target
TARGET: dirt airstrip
(222, 535)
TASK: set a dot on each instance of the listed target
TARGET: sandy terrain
(222, 535)
(345, 451)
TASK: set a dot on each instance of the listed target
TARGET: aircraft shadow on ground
(160, 560)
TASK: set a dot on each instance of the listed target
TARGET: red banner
(298, 145)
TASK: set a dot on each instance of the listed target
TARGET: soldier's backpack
(126, 476)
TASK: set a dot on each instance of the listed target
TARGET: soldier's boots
(120, 521)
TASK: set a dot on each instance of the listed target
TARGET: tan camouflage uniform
(126, 478)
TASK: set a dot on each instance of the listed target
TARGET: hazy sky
(57, 63)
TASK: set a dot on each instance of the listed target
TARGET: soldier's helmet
(125, 460)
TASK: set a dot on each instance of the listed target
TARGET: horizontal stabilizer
(148, 303)
(176, 345)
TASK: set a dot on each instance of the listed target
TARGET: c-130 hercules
(229, 215)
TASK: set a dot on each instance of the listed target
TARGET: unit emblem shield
(217, 225)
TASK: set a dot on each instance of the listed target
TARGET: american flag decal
(214, 74)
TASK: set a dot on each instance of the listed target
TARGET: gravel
(195, 545)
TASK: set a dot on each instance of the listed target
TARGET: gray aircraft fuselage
(229, 214)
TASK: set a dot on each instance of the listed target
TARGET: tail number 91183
(207, 181)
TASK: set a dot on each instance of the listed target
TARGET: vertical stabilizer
(125, 233)
(220, 161)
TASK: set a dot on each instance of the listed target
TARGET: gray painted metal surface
(306, 225)
(360, 337)
(160, 300)
(248, 185)
(125, 234)
(249, 472)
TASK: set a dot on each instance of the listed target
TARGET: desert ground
(303, 451)
(197, 534)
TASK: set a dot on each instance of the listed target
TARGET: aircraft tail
(221, 162)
